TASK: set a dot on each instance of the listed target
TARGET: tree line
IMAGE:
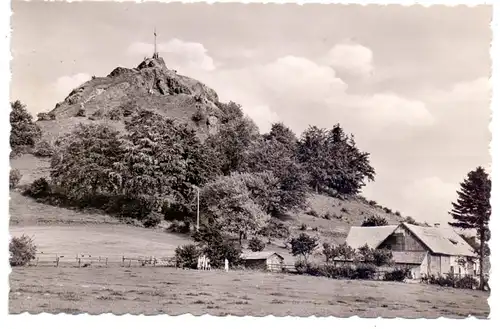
(152, 170)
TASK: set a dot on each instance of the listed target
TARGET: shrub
(303, 227)
(398, 274)
(14, 178)
(303, 245)
(327, 216)
(397, 213)
(387, 210)
(22, 250)
(179, 227)
(187, 256)
(217, 246)
(114, 114)
(315, 270)
(81, 112)
(375, 221)
(39, 188)
(43, 149)
(382, 257)
(199, 116)
(344, 210)
(301, 266)
(255, 244)
(467, 282)
(152, 219)
(312, 212)
(372, 203)
(365, 271)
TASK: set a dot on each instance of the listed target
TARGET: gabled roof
(372, 235)
(259, 255)
(440, 240)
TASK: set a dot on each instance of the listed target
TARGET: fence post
(57, 261)
(106, 261)
(79, 262)
(123, 261)
(129, 262)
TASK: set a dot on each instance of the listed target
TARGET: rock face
(150, 86)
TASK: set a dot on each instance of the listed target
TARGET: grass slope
(139, 290)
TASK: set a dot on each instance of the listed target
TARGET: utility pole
(197, 208)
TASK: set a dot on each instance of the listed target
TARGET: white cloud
(386, 109)
(65, 84)
(262, 116)
(353, 58)
(188, 55)
(429, 199)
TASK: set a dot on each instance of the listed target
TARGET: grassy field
(100, 240)
(175, 291)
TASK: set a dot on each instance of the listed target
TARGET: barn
(425, 250)
(263, 260)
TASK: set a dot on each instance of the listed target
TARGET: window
(453, 241)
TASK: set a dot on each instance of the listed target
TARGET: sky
(410, 83)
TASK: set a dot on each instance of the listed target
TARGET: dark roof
(260, 255)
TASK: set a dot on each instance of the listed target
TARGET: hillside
(151, 85)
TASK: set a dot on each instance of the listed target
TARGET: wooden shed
(263, 260)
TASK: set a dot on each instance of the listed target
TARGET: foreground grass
(166, 290)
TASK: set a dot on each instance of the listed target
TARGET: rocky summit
(151, 85)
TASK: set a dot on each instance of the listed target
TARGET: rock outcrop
(151, 85)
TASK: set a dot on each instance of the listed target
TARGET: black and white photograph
(255, 159)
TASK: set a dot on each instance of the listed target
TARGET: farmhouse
(263, 260)
(425, 250)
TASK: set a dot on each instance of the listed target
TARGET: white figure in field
(199, 263)
(226, 265)
(208, 264)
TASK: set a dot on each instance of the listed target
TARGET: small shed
(263, 260)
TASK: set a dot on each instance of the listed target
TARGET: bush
(327, 216)
(152, 220)
(22, 250)
(397, 213)
(179, 227)
(301, 266)
(365, 271)
(14, 178)
(217, 246)
(372, 203)
(187, 256)
(255, 244)
(38, 189)
(303, 245)
(312, 212)
(382, 257)
(303, 227)
(375, 221)
(199, 116)
(467, 282)
(344, 210)
(43, 149)
(81, 112)
(398, 274)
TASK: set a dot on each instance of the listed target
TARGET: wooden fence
(85, 260)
